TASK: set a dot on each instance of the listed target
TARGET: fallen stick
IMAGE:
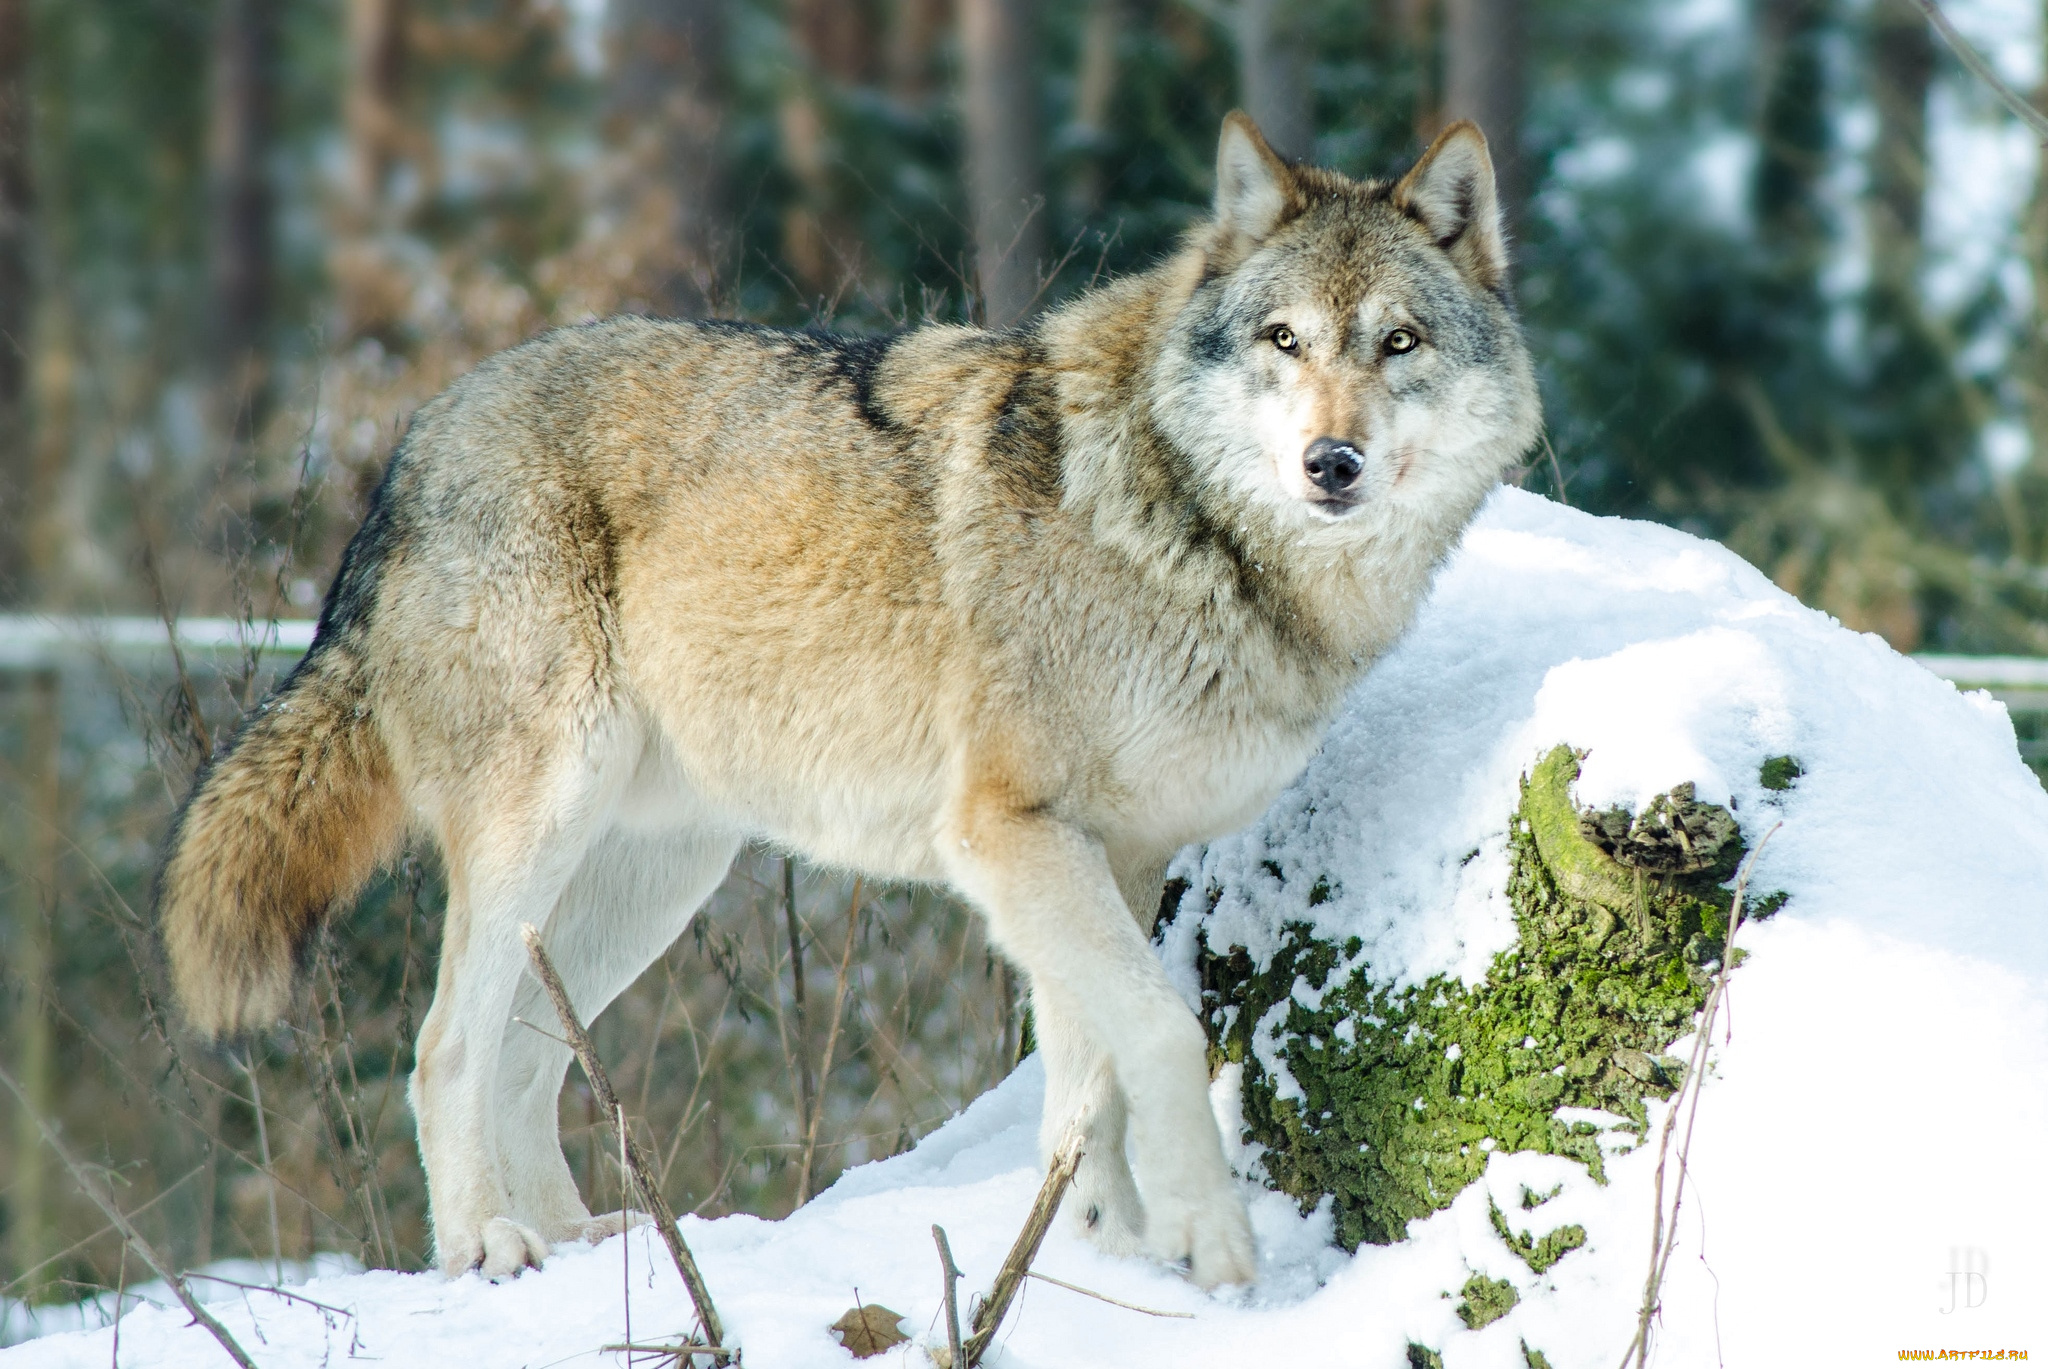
(1104, 1297)
(83, 1177)
(636, 1163)
(988, 1318)
(951, 1273)
(1663, 1231)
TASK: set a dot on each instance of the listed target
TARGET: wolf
(1021, 613)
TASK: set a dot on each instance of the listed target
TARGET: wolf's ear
(1255, 192)
(1450, 192)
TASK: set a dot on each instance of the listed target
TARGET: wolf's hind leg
(1081, 1088)
(508, 861)
(627, 903)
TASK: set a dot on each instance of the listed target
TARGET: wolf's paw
(506, 1248)
(1213, 1238)
(603, 1227)
(1104, 1207)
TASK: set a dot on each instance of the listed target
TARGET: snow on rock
(1866, 1175)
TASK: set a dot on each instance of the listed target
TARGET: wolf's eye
(1284, 338)
(1401, 340)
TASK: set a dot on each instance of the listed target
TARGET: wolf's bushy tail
(292, 820)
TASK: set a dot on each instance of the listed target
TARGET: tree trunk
(670, 88)
(2032, 367)
(372, 103)
(370, 290)
(1094, 91)
(1273, 75)
(1485, 46)
(1793, 131)
(17, 454)
(1901, 70)
(916, 28)
(1416, 21)
(1004, 174)
(835, 45)
(244, 57)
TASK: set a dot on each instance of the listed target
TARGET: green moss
(1483, 1301)
(1533, 1359)
(1422, 1357)
(1538, 1254)
(1779, 773)
(1406, 1090)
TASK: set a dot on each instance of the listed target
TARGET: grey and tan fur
(1021, 613)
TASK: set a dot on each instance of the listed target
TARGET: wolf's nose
(1332, 464)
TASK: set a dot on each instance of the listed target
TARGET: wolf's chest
(1215, 764)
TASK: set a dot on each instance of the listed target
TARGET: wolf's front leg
(1054, 907)
(1081, 1090)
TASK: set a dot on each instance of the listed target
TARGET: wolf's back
(291, 821)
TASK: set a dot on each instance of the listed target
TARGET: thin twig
(950, 1272)
(625, 1225)
(1104, 1297)
(263, 1149)
(1663, 1231)
(120, 1296)
(1556, 472)
(831, 1045)
(83, 1177)
(1981, 69)
(807, 1082)
(636, 1163)
(988, 1318)
(274, 1292)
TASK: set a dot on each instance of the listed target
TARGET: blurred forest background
(1782, 262)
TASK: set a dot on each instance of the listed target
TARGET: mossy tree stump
(1399, 1093)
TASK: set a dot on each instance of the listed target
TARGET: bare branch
(988, 1318)
(100, 1199)
(2022, 109)
(601, 1085)
(951, 1273)
(1663, 1229)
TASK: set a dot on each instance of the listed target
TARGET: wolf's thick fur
(1024, 613)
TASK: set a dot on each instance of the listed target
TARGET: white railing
(37, 641)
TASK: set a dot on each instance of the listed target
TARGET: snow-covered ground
(1867, 1174)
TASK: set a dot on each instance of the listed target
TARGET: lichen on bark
(1399, 1093)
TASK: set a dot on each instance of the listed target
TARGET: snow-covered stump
(1387, 1097)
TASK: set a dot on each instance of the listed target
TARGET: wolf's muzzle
(1333, 466)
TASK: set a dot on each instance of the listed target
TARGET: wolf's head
(1350, 346)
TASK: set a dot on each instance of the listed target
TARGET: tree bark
(915, 30)
(671, 87)
(370, 291)
(372, 105)
(1416, 21)
(1901, 70)
(244, 59)
(17, 453)
(835, 45)
(1793, 131)
(1273, 75)
(1004, 171)
(2032, 369)
(1485, 47)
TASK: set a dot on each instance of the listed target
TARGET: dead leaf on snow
(868, 1330)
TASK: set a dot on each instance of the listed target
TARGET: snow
(1865, 1177)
